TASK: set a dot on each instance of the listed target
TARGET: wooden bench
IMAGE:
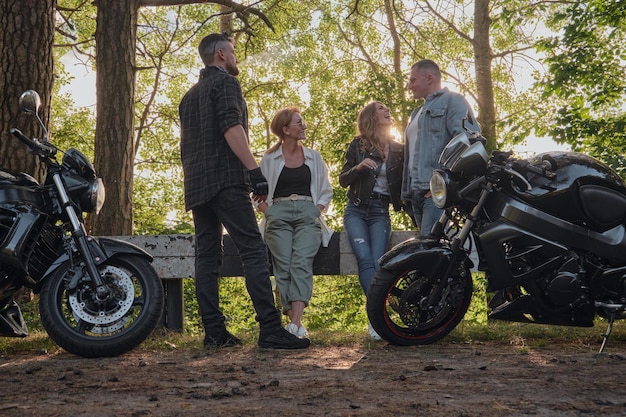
(174, 261)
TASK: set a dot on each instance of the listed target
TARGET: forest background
(329, 57)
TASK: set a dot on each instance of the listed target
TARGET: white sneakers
(373, 335)
(297, 331)
(303, 334)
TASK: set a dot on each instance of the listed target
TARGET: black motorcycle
(97, 296)
(549, 233)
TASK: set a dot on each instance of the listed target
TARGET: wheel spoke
(396, 292)
(139, 301)
(82, 326)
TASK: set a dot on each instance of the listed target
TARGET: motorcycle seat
(603, 207)
(20, 178)
(5, 176)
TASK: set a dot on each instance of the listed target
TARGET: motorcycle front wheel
(406, 308)
(93, 326)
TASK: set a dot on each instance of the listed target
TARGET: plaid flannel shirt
(207, 111)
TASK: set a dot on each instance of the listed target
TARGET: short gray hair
(209, 45)
(427, 64)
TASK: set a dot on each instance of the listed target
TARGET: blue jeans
(369, 231)
(232, 208)
(425, 213)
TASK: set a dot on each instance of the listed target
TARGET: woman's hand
(262, 207)
(367, 163)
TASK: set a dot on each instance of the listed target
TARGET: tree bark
(26, 63)
(115, 147)
(482, 60)
(397, 55)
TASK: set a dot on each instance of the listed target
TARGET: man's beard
(232, 69)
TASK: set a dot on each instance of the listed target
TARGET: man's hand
(259, 184)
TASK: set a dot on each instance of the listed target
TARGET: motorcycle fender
(421, 249)
(101, 249)
(109, 247)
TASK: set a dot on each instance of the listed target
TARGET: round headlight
(438, 189)
(93, 198)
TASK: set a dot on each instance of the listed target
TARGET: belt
(293, 197)
(379, 196)
(374, 196)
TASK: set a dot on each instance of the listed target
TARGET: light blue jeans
(425, 213)
(369, 231)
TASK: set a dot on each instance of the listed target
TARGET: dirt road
(438, 380)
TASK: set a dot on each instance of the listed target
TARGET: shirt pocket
(436, 121)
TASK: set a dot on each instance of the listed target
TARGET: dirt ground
(378, 379)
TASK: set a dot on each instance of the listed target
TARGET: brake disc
(85, 306)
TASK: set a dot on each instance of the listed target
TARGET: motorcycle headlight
(438, 189)
(93, 198)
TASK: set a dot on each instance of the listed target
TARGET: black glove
(258, 181)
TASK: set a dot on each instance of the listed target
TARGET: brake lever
(518, 179)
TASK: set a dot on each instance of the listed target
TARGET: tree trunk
(397, 61)
(26, 63)
(115, 86)
(482, 60)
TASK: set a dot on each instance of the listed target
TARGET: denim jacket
(361, 182)
(441, 119)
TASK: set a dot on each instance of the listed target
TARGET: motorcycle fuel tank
(584, 191)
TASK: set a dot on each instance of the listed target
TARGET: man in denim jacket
(430, 128)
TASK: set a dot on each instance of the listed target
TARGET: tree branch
(448, 22)
(241, 10)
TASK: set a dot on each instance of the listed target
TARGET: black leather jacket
(361, 182)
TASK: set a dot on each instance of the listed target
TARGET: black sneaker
(222, 340)
(282, 339)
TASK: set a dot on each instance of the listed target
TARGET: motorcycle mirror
(30, 102)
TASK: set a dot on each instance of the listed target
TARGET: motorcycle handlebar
(42, 149)
(544, 170)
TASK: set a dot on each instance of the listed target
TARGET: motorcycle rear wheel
(397, 305)
(84, 325)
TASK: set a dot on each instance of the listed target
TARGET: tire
(397, 309)
(80, 324)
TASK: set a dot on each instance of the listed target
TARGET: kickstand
(608, 332)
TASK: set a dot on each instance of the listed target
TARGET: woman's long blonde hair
(281, 119)
(366, 124)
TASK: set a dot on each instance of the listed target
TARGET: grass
(335, 317)
(525, 336)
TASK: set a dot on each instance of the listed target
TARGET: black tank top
(293, 181)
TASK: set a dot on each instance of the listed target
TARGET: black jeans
(231, 208)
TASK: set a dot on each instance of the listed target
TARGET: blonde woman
(299, 192)
(373, 173)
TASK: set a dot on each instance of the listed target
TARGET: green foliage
(586, 80)
(71, 126)
(30, 312)
(478, 309)
(337, 305)
(332, 58)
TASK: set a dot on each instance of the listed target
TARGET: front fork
(79, 235)
(456, 245)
